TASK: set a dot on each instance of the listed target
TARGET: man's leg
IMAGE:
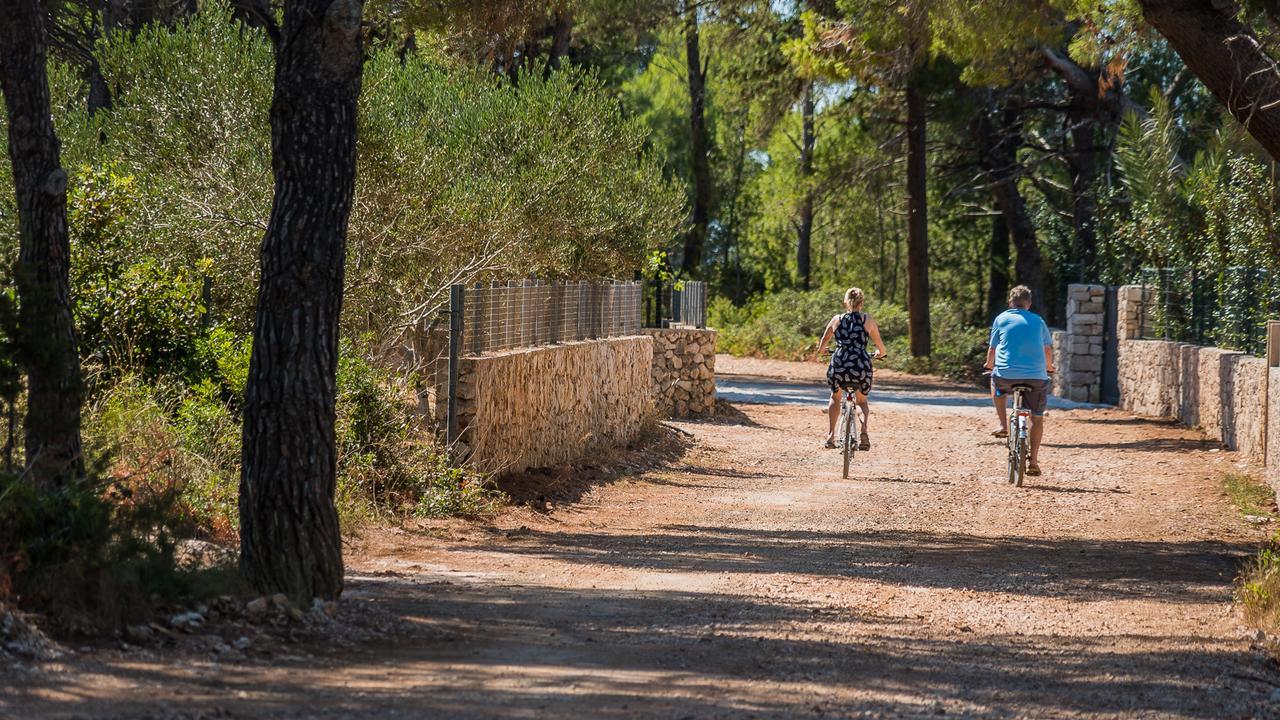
(1001, 402)
(1037, 432)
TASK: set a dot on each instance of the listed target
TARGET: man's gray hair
(1020, 295)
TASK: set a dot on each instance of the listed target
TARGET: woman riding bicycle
(850, 364)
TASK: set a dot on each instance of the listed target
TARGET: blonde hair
(1020, 295)
(853, 298)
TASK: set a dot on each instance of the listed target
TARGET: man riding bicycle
(1021, 353)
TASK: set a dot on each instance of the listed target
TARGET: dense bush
(788, 324)
(460, 175)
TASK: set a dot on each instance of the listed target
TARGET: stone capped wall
(552, 405)
(1189, 407)
(1243, 419)
(1221, 392)
(684, 371)
(1273, 430)
(1214, 385)
(1150, 377)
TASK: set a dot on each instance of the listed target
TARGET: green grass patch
(1250, 495)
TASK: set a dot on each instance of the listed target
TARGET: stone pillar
(1085, 313)
(1132, 311)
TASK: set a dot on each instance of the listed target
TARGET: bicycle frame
(1019, 439)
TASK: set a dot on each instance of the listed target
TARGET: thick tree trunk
(699, 146)
(918, 324)
(289, 538)
(997, 147)
(804, 229)
(48, 340)
(563, 34)
(998, 278)
(1084, 178)
(1227, 57)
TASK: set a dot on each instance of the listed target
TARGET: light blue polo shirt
(1020, 337)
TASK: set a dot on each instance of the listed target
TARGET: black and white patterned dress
(850, 364)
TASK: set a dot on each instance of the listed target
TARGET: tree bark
(918, 324)
(289, 537)
(998, 278)
(47, 330)
(563, 34)
(997, 147)
(1084, 163)
(1227, 57)
(804, 229)
(699, 146)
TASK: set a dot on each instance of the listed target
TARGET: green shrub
(1258, 588)
(92, 554)
(457, 492)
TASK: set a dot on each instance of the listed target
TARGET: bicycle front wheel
(846, 434)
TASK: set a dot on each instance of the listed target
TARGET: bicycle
(845, 425)
(1019, 440)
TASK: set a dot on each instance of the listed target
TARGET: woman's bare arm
(826, 337)
(874, 331)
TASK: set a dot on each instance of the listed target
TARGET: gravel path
(741, 577)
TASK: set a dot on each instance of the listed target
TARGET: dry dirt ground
(737, 575)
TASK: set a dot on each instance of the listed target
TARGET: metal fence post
(555, 324)
(457, 306)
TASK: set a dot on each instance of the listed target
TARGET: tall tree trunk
(997, 147)
(998, 278)
(1084, 178)
(563, 34)
(1228, 58)
(289, 538)
(804, 229)
(48, 339)
(699, 146)
(918, 325)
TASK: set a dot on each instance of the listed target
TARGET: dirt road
(740, 576)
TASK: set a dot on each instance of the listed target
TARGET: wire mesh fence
(689, 304)
(503, 316)
(1229, 309)
(681, 303)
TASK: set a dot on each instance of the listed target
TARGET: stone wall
(1243, 422)
(684, 371)
(1058, 384)
(1221, 392)
(547, 406)
(1273, 430)
(1150, 377)
(1214, 400)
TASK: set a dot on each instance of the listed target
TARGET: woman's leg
(833, 413)
(866, 411)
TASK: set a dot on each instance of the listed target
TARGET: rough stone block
(1086, 363)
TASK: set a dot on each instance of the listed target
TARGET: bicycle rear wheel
(846, 434)
(1022, 463)
(1013, 458)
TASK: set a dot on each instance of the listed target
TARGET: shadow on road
(515, 651)
(1078, 569)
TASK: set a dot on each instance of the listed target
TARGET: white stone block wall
(1080, 367)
